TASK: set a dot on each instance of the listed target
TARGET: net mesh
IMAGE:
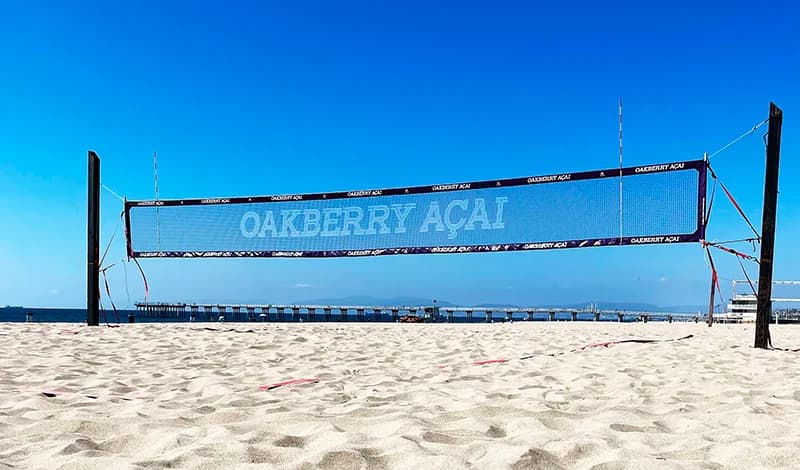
(525, 213)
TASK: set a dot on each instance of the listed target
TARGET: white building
(742, 308)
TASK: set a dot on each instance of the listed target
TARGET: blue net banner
(650, 204)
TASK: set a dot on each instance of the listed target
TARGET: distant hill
(420, 301)
(369, 300)
(638, 306)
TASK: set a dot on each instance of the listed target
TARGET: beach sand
(181, 396)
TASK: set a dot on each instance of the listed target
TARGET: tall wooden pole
(93, 243)
(764, 308)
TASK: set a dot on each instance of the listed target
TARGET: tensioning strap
(733, 201)
(739, 254)
(144, 278)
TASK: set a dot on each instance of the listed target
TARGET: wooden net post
(764, 307)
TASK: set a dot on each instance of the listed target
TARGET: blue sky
(288, 97)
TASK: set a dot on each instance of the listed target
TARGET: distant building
(742, 307)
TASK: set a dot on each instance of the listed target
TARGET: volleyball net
(651, 204)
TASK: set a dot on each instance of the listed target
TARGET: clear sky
(289, 97)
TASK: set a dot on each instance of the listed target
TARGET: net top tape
(509, 182)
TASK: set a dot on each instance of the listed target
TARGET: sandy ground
(180, 396)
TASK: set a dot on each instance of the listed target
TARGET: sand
(179, 396)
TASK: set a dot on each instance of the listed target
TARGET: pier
(373, 313)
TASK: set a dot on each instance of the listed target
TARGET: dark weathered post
(764, 307)
(93, 243)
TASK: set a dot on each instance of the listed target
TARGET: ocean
(69, 315)
(76, 315)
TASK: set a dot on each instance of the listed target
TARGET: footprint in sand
(631, 428)
(291, 441)
(337, 398)
(504, 396)
(258, 455)
(79, 446)
(205, 410)
(342, 459)
(557, 421)
(438, 438)
(538, 459)
(123, 389)
(373, 458)
(163, 463)
(581, 451)
(496, 432)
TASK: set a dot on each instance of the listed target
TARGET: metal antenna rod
(620, 171)
(158, 223)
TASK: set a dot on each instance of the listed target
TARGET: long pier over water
(371, 313)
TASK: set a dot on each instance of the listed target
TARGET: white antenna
(620, 170)
(158, 223)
